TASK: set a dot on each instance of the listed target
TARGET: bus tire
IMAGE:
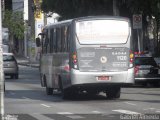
(43, 80)
(113, 92)
(65, 93)
(49, 91)
(92, 92)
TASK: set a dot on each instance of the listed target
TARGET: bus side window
(58, 40)
(43, 47)
(51, 40)
(54, 40)
(42, 42)
(68, 39)
(65, 40)
(46, 42)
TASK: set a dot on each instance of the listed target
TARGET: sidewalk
(25, 62)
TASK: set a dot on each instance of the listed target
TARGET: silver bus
(87, 54)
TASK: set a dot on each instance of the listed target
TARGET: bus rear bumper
(119, 78)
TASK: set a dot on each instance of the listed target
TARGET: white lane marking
(149, 109)
(126, 111)
(65, 113)
(130, 103)
(25, 97)
(45, 105)
(96, 112)
(40, 117)
(75, 117)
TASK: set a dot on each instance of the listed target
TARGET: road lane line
(25, 97)
(149, 109)
(96, 112)
(130, 103)
(126, 111)
(65, 113)
(75, 117)
(45, 105)
(40, 117)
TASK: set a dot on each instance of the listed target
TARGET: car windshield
(145, 61)
(8, 58)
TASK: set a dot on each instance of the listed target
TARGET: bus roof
(87, 18)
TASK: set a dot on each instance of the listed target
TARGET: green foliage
(77, 8)
(14, 22)
(146, 7)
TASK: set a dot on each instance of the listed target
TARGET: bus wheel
(49, 91)
(92, 92)
(64, 93)
(155, 84)
(113, 92)
(43, 80)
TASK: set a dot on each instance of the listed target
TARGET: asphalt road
(25, 99)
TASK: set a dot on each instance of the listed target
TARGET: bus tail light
(131, 56)
(74, 59)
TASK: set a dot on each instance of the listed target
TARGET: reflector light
(67, 68)
(131, 56)
(131, 60)
(136, 70)
(74, 56)
(75, 61)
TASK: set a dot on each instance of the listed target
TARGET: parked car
(10, 65)
(146, 70)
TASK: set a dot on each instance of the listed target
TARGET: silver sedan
(10, 65)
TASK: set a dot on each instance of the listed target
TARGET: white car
(10, 65)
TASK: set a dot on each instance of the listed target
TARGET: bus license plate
(103, 78)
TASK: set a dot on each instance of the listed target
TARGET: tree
(77, 8)
(149, 9)
(68, 8)
(14, 22)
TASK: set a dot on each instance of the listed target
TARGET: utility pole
(1, 70)
(25, 41)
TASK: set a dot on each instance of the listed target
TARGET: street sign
(137, 21)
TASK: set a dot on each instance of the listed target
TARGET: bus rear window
(102, 31)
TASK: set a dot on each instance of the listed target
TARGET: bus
(88, 54)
